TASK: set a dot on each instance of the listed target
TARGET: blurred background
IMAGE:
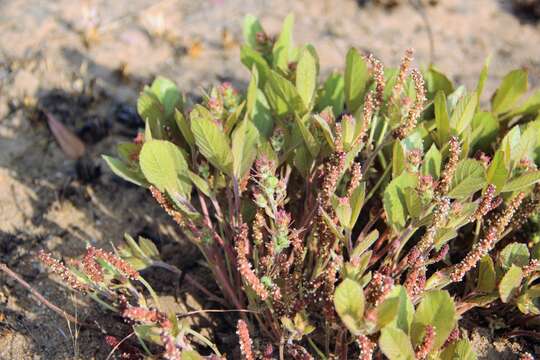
(83, 64)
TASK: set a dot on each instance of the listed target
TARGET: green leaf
(437, 309)
(366, 243)
(190, 355)
(460, 350)
(528, 143)
(124, 171)
(251, 27)
(513, 86)
(148, 248)
(164, 165)
(395, 344)
(510, 283)
(306, 77)
(485, 129)
(394, 201)
(343, 213)
(349, 303)
(257, 107)
(303, 160)
(200, 184)
(442, 119)
(432, 162)
(151, 111)
(514, 254)
(326, 131)
(167, 94)
(522, 181)
(245, 139)
(510, 143)
(497, 172)
(529, 107)
(487, 278)
(414, 203)
(396, 310)
(212, 143)
(483, 77)
(356, 75)
(184, 127)
(528, 302)
(282, 95)
(463, 113)
(468, 178)
(398, 159)
(333, 94)
(249, 57)
(357, 202)
(283, 47)
(310, 141)
(437, 81)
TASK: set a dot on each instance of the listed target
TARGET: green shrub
(362, 214)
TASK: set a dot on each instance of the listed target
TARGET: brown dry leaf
(195, 49)
(70, 143)
(228, 39)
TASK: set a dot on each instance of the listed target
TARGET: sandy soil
(50, 56)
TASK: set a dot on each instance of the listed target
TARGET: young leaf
(283, 47)
(212, 143)
(249, 57)
(167, 93)
(148, 248)
(442, 119)
(164, 165)
(497, 172)
(510, 283)
(184, 127)
(432, 162)
(513, 86)
(251, 27)
(395, 344)
(436, 308)
(306, 77)
(463, 113)
(468, 178)
(349, 303)
(333, 94)
(151, 111)
(483, 77)
(357, 201)
(486, 275)
(366, 243)
(398, 159)
(356, 75)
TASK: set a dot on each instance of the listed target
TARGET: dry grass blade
(70, 143)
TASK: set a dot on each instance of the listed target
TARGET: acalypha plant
(355, 217)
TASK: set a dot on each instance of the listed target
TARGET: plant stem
(37, 295)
